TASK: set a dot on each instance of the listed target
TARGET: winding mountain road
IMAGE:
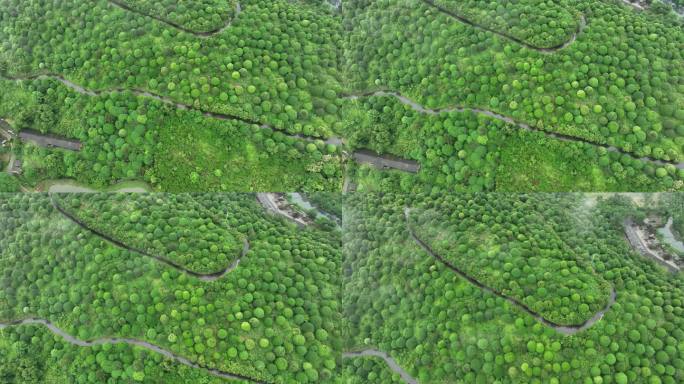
(545, 50)
(168, 101)
(563, 329)
(202, 276)
(458, 108)
(130, 341)
(204, 35)
(333, 140)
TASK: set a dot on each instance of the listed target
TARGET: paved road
(130, 341)
(49, 141)
(206, 34)
(545, 50)
(564, 329)
(458, 108)
(366, 156)
(38, 138)
(212, 276)
(72, 186)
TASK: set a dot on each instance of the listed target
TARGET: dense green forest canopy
(521, 288)
(329, 202)
(173, 226)
(600, 83)
(594, 88)
(272, 319)
(401, 300)
(511, 244)
(201, 16)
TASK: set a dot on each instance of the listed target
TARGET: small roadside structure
(49, 141)
(365, 156)
(15, 167)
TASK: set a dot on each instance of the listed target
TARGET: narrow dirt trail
(202, 276)
(130, 341)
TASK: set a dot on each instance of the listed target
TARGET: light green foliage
(588, 90)
(510, 243)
